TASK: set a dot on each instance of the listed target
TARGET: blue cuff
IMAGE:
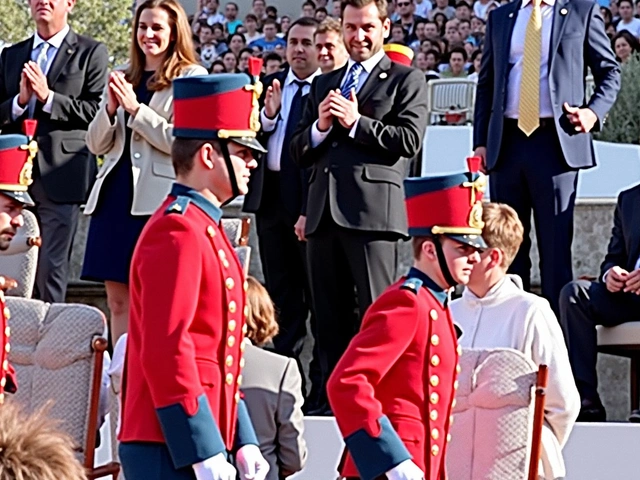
(190, 439)
(374, 456)
(245, 434)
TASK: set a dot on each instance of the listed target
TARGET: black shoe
(635, 416)
(592, 411)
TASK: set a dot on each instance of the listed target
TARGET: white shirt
(516, 57)
(509, 317)
(633, 27)
(55, 43)
(289, 89)
(317, 137)
(423, 8)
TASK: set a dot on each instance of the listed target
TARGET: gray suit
(272, 389)
(540, 172)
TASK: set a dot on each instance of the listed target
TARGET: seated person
(272, 389)
(611, 300)
(495, 312)
(33, 448)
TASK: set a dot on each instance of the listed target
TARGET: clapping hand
(632, 282)
(345, 110)
(123, 92)
(112, 100)
(37, 80)
(273, 99)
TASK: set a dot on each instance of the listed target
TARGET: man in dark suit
(532, 121)
(278, 190)
(56, 77)
(361, 125)
(611, 300)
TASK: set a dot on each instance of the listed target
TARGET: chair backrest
(590, 86)
(491, 434)
(244, 255)
(20, 260)
(451, 95)
(56, 350)
(237, 230)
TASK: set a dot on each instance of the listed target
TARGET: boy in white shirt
(495, 312)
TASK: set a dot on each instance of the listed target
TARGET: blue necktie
(353, 78)
(295, 114)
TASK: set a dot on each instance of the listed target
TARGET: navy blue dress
(113, 231)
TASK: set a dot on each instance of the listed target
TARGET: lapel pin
(69, 51)
(383, 75)
(564, 11)
(511, 15)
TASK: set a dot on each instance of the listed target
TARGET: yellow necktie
(529, 108)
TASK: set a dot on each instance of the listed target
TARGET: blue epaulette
(179, 205)
(412, 284)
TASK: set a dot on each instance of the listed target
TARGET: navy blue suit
(540, 172)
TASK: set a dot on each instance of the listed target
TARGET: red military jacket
(392, 391)
(186, 328)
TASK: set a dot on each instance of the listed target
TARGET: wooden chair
(498, 417)
(624, 341)
(57, 352)
(20, 260)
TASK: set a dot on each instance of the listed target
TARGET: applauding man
(361, 125)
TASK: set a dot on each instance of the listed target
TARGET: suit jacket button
(136, 155)
(326, 170)
(334, 144)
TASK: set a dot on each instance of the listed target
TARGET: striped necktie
(41, 60)
(353, 78)
(529, 108)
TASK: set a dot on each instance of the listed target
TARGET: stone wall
(593, 222)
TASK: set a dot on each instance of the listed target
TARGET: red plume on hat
(255, 67)
(29, 127)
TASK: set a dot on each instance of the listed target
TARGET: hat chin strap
(446, 273)
(224, 146)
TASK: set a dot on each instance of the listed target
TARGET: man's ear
(496, 257)
(206, 156)
(429, 250)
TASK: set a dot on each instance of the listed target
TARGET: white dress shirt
(633, 27)
(55, 43)
(516, 57)
(317, 137)
(274, 145)
(509, 317)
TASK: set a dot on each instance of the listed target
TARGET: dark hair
(464, 20)
(630, 2)
(629, 38)
(381, 4)
(244, 39)
(270, 21)
(217, 62)
(234, 4)
(303, 22)
(461, 51)
(309, 3)
(435, 53)
(271, 11)
(245, 50)
(321, 9)
(203, 24)
(272, 56)
(250, 16)
(462, 3)
(419, 21)
(183, 151)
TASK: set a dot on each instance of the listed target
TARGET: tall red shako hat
(399, 53)
(449, 205)
(17, 153)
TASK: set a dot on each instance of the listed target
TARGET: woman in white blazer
(132, 131)
(272, 389)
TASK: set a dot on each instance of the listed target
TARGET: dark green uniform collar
(440, 293)
(179, 190)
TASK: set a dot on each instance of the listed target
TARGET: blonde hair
(261, 321)
(503, 230)
(180, 53)
(32, 448)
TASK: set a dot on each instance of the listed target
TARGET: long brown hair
(180, 53)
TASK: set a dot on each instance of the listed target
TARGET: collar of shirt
(507, 286)
(438, 292)
(292, 77)
(55, 41)
(204, 204)
(550, 3)
(369, 63)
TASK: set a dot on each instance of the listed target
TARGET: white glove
(251, 464)
(215, 468)
(406, 470)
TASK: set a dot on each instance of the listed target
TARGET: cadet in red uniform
(393, 389)
(183, 417)
(16, 164)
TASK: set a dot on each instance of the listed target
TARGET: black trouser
(283, 259)
(583, 305)
(531, 174)
(342, 261)
(58, 223)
